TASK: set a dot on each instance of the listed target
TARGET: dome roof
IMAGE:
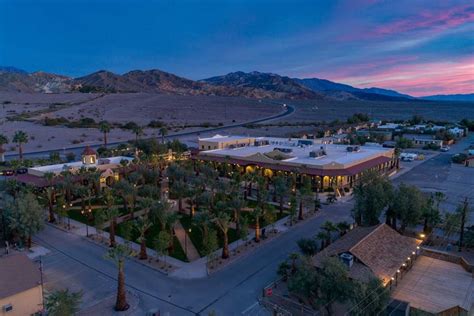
(88, 151)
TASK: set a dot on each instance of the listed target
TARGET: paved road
(77, 150)
(78, 264)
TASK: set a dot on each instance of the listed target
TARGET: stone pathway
(186, 243)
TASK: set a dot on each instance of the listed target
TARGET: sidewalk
(197, 268)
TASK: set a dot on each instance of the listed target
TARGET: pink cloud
(418, 79)
(437, 20)
(431, 21)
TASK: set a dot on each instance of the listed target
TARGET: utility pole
(464, 211)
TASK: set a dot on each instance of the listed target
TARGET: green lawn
(152, 234)
(76, 215)
(196, 234)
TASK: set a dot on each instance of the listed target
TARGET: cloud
(443, 77)
(434, 21)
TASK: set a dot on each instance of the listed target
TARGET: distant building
(420, 140)
(109, 169)
(389, 126)
(327, 165)
(382, 135)
(21, 291)
(457, 132)
(221, 142)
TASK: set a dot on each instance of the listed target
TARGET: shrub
(156, 124)
(459, 158)
(432, 147)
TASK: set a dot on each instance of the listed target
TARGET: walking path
(186, 243)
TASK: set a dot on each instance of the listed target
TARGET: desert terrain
(27, 111)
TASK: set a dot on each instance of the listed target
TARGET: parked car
(21, 170)
(8, 173)
(444, 148)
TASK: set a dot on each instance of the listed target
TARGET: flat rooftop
(434, 285)
(78, 164)
(223, 138)
(336, 155)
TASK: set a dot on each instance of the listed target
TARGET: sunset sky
(414, 47)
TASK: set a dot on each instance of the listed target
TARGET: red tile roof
(353, 170)
(89, 151)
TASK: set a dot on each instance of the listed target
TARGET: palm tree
(258, 212)
(306, 195)
(142, 224)
(237, 203)
(223, 222)
(63, 302)
(118, 255)
(163, 133)
(202, 220)
(323, 236)
(123, 188)
(281, 190)
(329, 228)
(110, 215)
(20, 138)
(171, 220)
(104, 127)
(138, 131)
(343, 227)
(50, 194)
(3, 141)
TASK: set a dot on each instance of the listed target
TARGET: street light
(88, 216)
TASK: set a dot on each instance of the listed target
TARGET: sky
(413, 46)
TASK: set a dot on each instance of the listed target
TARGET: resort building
(21, 291)
(109, 168)
(420, 140)
(328, 165)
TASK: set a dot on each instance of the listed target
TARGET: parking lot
(439, 174)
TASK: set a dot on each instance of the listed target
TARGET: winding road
(77, 150)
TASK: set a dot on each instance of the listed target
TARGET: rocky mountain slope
(251, 85)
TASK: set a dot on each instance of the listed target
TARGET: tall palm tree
(110, 215)
(202, 220)
(105, 127)
(329, 228)
(3, 141)
(306, 194)
(118, 255)
(258, 212)
(142, 224)
(171, 220)
(50, 194)
(20, 138)
(223, 222)
(138, 131)
(163, 133)
(281, 190)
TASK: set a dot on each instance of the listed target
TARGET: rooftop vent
(347, 259)
(284, 150)
(353, 149)
(317, 153)
(262, 142)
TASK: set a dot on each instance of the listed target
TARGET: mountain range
(251, 85)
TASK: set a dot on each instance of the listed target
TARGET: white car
(444, 148)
